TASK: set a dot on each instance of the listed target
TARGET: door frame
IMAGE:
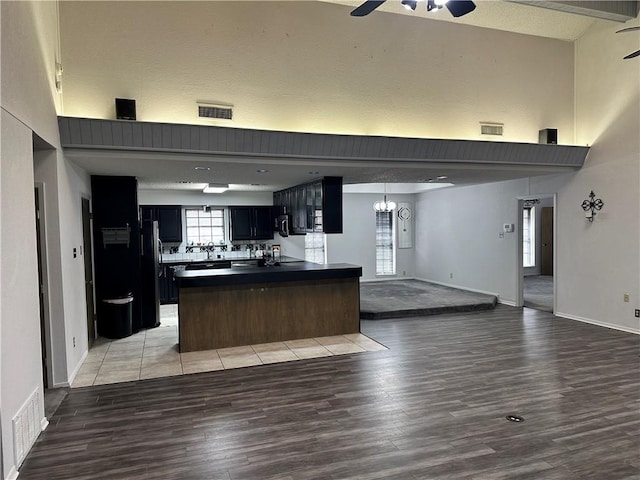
(87, 256)
(519, 280)
(46, 312)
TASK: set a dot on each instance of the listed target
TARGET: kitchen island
(248, 305)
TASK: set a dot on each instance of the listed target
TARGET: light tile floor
(154, 353)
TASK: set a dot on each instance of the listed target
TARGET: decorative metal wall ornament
(590, 206)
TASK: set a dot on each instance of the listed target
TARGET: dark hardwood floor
(433, 406)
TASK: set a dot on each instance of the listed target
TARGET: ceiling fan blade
(630, 29)
(366, 8)
(632, 55)
(459, 8)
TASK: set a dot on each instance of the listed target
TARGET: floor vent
(515, 418)
(224, 112)
(491, 128)
(26, 427)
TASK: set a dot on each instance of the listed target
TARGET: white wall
(597, 263)
(20, 342)
(73, 184)
(29, 102)
(311, 67)
(357, 243)
(458, 234)
(196, 198)
(45, 172)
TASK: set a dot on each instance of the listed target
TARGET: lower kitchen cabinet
(168, 288)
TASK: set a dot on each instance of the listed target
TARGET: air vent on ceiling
(491, 128)
(210, 110)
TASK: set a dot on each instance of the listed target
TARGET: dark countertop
(285, 272)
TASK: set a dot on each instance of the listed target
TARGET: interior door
(546, 226)
(88, 269)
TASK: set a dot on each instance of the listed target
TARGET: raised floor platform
(412, 298)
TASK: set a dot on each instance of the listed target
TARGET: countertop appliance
(150, 260)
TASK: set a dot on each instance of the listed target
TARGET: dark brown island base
(248, 305)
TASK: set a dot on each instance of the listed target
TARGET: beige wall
(310, 67)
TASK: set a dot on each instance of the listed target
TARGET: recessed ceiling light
(202, 168)
(441, 177)
(314, 173)
(262, 170)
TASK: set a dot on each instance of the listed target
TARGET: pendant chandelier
(384, 205)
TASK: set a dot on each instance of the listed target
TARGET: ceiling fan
(457, 8)
(637, 52)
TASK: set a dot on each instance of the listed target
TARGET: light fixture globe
(384, 205)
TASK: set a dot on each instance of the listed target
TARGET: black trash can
(118, 314)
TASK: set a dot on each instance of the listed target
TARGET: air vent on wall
(210, 110)
(491, 128)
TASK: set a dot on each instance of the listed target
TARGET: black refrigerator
(150, 258)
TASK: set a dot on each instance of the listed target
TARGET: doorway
(87, 247)
(536, 257)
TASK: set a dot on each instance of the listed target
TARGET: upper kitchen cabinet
(169, 218)
(251, 223)
(314, 207)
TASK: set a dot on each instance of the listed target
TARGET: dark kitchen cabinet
(168, 286)
(116, 248)
(169, 219)
(251, 223)
(314, 207)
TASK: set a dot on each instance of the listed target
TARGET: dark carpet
(412, 298)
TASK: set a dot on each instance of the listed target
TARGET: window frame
(386, 254)
(216, 239)
(528, 237)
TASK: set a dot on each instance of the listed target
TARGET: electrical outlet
(75, 252)
(451, 275)
(404, 273)
(74, 342)
(625, 297)
(637, 312)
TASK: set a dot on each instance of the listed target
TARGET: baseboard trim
(507, 302)
(598, 323)
(44, 423)
(13, 474)
(72, 377)
(458, 287)
(387, 278)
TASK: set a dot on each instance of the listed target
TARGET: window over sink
(205, 226)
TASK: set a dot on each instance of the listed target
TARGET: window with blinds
(385, 247)
(528, 237)
(204, 227)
